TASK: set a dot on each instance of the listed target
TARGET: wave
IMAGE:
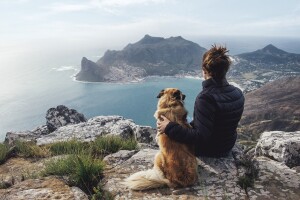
(65, 68)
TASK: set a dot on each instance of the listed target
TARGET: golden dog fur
(175, 164)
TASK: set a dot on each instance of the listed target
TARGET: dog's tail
(143, 180)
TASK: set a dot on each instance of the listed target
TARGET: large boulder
(62, 116)
(280, 146)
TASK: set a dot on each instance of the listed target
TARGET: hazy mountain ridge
(147, 57)
(175, 55)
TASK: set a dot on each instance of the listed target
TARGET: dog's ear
(177, 95)
(183, 97)
(161, 93)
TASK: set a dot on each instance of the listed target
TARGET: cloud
(62, 7)
(123, 3)
(107, 5)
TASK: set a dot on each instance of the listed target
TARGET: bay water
(39, 89)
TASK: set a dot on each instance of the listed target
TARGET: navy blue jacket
(217, 112)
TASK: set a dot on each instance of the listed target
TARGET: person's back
(227, 103)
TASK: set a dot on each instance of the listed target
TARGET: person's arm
(203, 123)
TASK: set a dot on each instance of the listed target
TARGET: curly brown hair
(216, 62)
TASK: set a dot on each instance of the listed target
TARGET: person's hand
(162, 124)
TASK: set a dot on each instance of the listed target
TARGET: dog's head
(170, 97)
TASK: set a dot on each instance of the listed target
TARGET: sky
(69, 25)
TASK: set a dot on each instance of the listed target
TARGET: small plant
(83, 170)
(30, 150)
(112, 144)
(247, 180)
(100, 194)
(4, 152)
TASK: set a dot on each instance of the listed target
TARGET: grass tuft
(245, 181)
(30, 150)
(83, 170)
(69, 147)
(112, 144)
(4, 152)
(251, 173)
(100, 194)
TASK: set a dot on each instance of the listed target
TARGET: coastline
(140, 80)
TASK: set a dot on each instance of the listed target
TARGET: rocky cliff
(269, 171)
(274, 106)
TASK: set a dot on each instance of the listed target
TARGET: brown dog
(175, 164)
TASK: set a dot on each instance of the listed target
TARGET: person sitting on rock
(217, 111)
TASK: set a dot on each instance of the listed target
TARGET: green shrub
(4, 151)
(112, 144)
(245, 181)
(30, 150)
(69, 147)
(83, 170)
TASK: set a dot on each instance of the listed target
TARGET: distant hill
(147, 57)
(274, 106)
(254, 69)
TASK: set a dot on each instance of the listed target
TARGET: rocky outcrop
(273, 107)
(62, 116)
(100, 126)
(56, 117)
(89, 131)
(280, 146)
(42, 189)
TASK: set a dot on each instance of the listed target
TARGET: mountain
(254, 69)
(271, 55)
(274, 106)
(149, 56)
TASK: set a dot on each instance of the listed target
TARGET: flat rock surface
(47, 188)
(275, 181)
(16, 169)
(217, 179)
